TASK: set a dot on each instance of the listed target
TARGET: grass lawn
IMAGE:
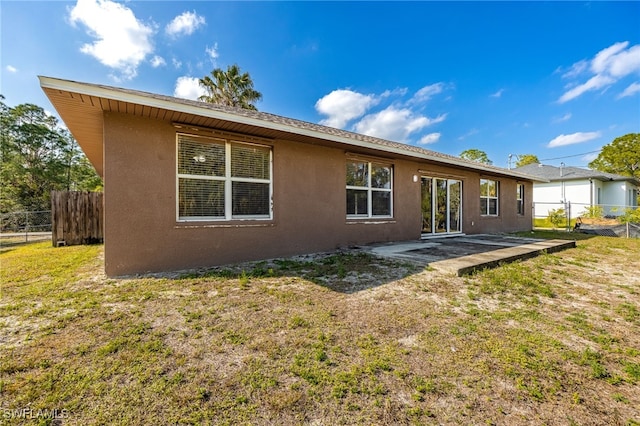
(339, 338)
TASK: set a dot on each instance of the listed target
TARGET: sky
(555, 79)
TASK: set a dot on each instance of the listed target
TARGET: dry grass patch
(338, 338)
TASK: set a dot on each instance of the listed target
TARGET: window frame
(370, 190)
(228, 180)
(520, 199)
(488, 198)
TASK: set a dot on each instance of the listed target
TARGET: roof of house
(82, 105)
(552, 173)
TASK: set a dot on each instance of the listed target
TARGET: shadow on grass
(10, 244)
(356, 269)
(345, 271)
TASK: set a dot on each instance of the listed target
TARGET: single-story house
(581, 189)
(189, 184)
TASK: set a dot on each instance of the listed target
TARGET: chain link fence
(553, 215)
(18, 227)
(599, 219)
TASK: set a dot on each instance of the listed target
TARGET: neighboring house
(581, 189)
(189, 184)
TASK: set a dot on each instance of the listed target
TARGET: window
(520, 198)
(220, 179)
(488, 197)
(369, 188)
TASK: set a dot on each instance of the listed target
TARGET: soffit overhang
(82, 107)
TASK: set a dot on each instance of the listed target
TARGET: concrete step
(490, 259)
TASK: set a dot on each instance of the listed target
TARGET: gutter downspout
(562, 182)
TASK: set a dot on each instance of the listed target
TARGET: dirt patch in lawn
(334, 338)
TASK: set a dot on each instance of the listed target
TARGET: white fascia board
(151, 101)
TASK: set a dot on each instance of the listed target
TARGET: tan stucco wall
(142, 234)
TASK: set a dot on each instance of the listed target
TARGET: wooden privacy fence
(76, 218)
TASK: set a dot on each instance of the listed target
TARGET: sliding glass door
(455, 205)
(441, 205)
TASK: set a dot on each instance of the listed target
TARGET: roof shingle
(552, 173)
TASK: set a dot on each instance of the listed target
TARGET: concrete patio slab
(465, 254)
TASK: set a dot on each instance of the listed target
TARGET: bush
(556, 217)
(593, 212)
(630, 215)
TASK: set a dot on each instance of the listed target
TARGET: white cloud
(594, 83)
(607, 67)
(471, 132)
(184, 24)
(395, 124)
(386, 115)
(562, 119)
(399, 91)
(176, 63)
(427, 92)
(212, 52)
(576, 69)
(590, 157)
(158, 61)
(429, 139)
(603, 58)
(343, 105)
(631, 90)
(188, 88)
(626, 62)
(122, 41)
(573, 138)
(11, 69)
(497, 94)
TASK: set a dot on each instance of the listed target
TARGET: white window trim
(370, 191)
(519, 198)
(228, 183)
(433, 179)
(488, 197)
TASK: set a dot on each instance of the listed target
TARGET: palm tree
(230, 88)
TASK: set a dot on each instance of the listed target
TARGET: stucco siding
(612, 196)
(554, 195)
(578, 191)
(142, 233)
(614, 193)
(508, 220)
(547, 193)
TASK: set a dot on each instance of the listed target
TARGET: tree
(622, 156)
(81, 175)
(230, 88)
(525, 159)
(476, 155)
(36, 157)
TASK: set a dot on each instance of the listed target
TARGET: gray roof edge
(551, 173)
(272, 122)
